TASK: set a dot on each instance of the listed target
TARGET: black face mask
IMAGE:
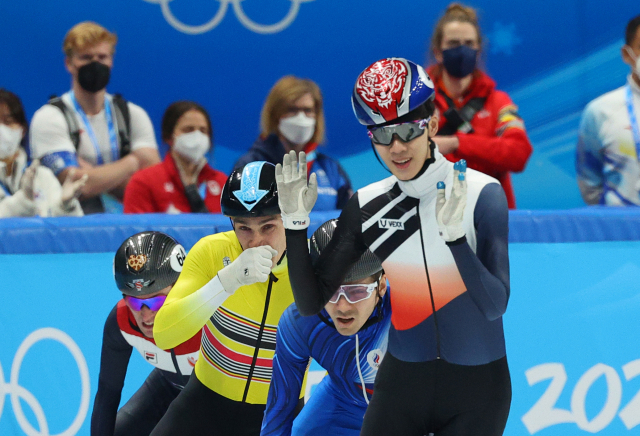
(460, 61)
(94, 76)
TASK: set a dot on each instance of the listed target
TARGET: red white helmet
(389, 89)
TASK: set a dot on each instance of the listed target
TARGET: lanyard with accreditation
(112, 131)
(635, 130)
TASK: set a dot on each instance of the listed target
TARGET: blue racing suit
(339, 402)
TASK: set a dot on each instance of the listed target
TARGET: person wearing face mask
(293, 119)
(96, 148)
(184, 182)
(478, 123)
(608, 149)
(29, 190)
(441, 234)
(233, 288)
(348, 339)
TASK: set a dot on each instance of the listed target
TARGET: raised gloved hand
(72, 188)
(28, 178)
(295, 197)
(449, 213)
(252, 266)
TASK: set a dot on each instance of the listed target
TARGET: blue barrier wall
(105, 233)
(552, 57)
(573, 337)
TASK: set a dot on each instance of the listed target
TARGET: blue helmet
(389, 89)
(251, 191)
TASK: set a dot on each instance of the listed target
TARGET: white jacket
(47, 193)
(607, 159)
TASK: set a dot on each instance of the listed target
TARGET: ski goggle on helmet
(366, 266)
(147, 263)
(389, 89)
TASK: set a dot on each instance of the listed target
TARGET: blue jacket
(334, 186)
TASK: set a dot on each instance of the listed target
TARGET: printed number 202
(544, 414)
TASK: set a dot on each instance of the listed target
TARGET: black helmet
(366, 266)
(147, 262)
(251, 191)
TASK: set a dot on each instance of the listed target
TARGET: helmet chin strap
(427, 162)
(375, 153)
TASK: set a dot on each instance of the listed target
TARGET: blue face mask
(459, 61)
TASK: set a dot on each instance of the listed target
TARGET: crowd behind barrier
(540, 82)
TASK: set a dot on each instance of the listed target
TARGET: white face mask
(637, 58)
(298, 129)
(9, 140)
(193, 145)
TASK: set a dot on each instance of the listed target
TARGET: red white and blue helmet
(389, 89)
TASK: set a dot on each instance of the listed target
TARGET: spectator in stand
(608, 150)
(102, 136)
(184, 181)
(477, 122)
(29, 190)
(293, 119)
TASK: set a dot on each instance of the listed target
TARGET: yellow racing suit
(239, 333)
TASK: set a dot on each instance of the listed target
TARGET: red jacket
(159, 189)
(499, 143)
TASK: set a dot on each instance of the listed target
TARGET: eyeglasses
(154, 303)
(295, 110)
(354, 293)
(405, 131)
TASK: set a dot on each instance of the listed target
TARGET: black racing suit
(150, 402)
(446, 370)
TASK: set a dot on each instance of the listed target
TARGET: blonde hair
(455, 12)
(87, 34)
(283, 94)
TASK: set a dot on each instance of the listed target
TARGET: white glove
(28, 178)
(71, 189)
(252, 266)
(449, 213)
(295, 197)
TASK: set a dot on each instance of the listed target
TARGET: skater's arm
(193, 299)
(313, 285)
(486, 272)
(113, 369)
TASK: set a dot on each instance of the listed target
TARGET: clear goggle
(405, 131)
(354, 293)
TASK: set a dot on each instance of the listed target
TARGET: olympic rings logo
(17, 392)
(222, 10)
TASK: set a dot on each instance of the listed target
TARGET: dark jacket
(334, 186)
